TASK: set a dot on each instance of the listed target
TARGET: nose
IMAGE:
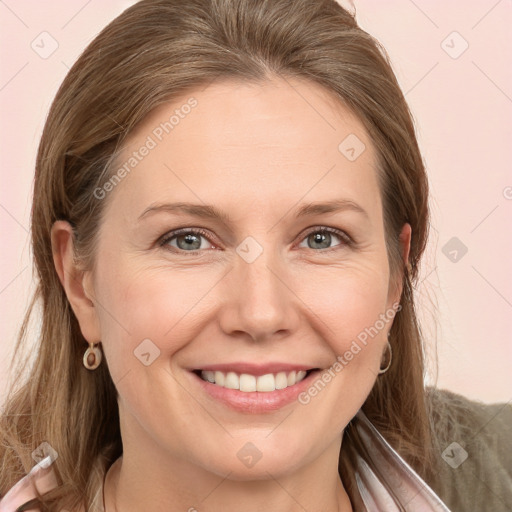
(259, 301)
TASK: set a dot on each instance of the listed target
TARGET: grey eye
(320, 239)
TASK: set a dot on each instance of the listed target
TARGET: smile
(247, 383)
(253, 389)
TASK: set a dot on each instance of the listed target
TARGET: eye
(320, 237)
(189, 239)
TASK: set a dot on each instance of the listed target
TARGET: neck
(130, 487)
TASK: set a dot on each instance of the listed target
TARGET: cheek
(142, 327)
(148, 311)
(349, 312)
(351, 304)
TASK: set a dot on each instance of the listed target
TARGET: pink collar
(41, 479)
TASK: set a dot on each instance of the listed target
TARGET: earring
(92, 357)
(384, 370)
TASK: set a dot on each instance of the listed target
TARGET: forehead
(271, 142)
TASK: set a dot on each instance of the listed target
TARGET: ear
(405, 242)
(405, 246)
(76, 282)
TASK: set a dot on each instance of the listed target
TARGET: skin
(257, 152)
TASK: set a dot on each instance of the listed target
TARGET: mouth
(248, 383)
(250, 387)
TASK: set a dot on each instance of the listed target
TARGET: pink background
(462, 103)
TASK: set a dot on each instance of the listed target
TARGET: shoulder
(473, 450)
(454, 405)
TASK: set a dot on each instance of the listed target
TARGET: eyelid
(347, 239)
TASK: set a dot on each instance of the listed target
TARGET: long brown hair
(153, 52)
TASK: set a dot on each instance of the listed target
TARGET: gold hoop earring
(384, 370)
(92, 357)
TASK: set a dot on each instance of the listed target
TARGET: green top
(475, 453)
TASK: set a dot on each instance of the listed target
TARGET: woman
(276, 366)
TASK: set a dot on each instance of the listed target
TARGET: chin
(255, 461)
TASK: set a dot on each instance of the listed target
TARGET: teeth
(219, 378)
(247, 383)
(209, 376)
(281, 380)
(232, 381)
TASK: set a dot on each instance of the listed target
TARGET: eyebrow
(208, 211)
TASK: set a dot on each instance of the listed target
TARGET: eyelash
(347, 241)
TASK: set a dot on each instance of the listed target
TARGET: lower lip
(255, 402)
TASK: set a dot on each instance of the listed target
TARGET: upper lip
(255, 368)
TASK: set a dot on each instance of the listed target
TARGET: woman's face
(258, 291)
